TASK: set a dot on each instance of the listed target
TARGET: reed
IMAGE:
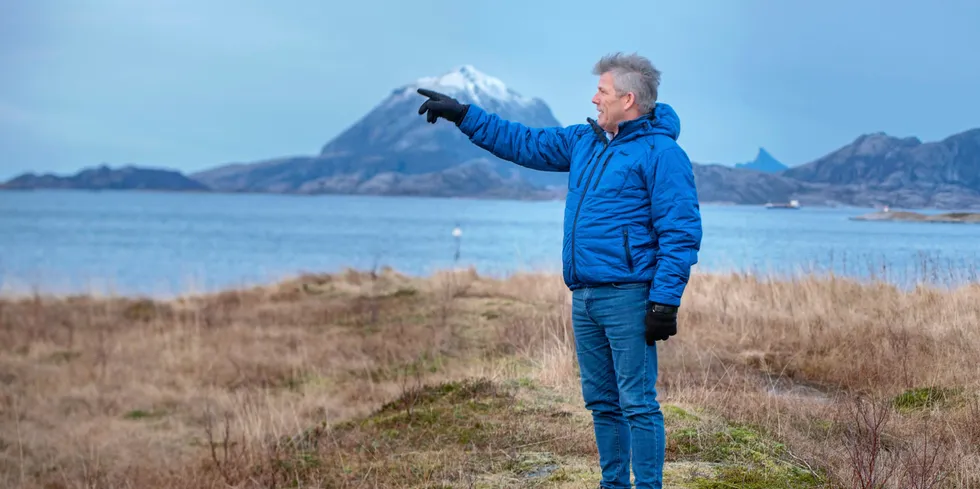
(376, 379)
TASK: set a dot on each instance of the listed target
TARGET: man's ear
(630, 101)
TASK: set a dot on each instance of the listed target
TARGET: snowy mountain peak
(466, 80)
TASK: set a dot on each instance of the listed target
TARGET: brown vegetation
(457, 380)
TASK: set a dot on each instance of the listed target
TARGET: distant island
(948, 217)
(105, 178)
(392, 151)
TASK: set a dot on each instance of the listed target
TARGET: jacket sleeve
(676, 223)
(545, 149)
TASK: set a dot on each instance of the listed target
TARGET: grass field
(366, 379)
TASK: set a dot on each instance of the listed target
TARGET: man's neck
(615, 129)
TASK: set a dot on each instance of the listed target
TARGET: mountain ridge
(104, 177)
(392, 137)
(878, 169)
(764, 162)
(391, 150)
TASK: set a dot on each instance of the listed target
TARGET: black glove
(661, 322)
(440, 105)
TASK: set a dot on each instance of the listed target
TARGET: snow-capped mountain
(476, 87)
(394, 140)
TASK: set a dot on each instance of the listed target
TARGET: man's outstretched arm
(545, 149)
(676, 222)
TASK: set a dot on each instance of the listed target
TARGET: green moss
(713, 475)
(449, 393)
(405, 292)
(740, 444)
(490, 315)
(138, 414)
(64, 356)
(726, 444)
(927, 398)
(533, 464)
(523, 382)
(672, 412)
(684, 441)
(561, 475)
(454, 413)
(426, 363)
(709, 454)
(297, 462)
(478, 433)
(142, 310)
(766, 477)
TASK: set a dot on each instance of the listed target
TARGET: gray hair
(631, 73)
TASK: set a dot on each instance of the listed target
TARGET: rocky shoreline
(906, 216)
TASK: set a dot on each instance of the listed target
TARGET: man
(632, 231)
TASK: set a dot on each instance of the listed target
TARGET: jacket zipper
(580, 175)
(626, 248)
(602, 136)
(581, 199)
(604, 163)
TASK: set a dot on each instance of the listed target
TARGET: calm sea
(165, 243)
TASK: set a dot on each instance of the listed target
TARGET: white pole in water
(457, 233)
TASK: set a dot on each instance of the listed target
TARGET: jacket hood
(666, 121)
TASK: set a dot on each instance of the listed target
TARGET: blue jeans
(619, 374)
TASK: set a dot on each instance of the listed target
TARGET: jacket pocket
(626, 249)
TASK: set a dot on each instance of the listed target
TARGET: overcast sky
(191, 84)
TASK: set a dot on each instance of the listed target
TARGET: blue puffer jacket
(631, 214)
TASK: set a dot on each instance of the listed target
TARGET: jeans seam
(646, 400)
(619, 452)
(646, 360)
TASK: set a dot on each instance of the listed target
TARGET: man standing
(632, 232)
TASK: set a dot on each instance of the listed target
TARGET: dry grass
(380, 380)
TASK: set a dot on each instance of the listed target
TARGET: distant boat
(793, 204)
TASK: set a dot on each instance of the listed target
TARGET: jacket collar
(627, 129)
(637, 127)
(661, 120)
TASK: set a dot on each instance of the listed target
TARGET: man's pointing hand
(441, 105)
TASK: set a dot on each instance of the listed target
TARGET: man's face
(611, 108)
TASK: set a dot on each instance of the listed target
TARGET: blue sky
(188, 84)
